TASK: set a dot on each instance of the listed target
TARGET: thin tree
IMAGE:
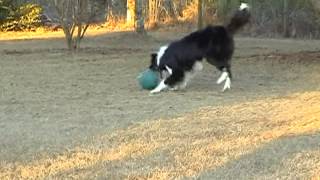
(139, 24)
(75, 17)
(200, 14)
(135, 17)
(285, 18)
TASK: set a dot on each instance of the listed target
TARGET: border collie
(180, 60)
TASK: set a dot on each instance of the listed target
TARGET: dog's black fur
(215, 43)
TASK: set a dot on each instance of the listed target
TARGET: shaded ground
(83, 115)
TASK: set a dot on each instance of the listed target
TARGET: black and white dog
(180, 60)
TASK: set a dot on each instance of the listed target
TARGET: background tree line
(271, 18)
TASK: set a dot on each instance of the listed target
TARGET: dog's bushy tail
(239, 19)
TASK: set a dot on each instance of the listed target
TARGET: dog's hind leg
(225, 76)
(188, 75)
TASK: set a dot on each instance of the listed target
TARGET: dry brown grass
(191, 145)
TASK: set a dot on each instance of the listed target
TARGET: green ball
(148, 79)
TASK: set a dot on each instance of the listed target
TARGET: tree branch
(73, 27)
(84, 31)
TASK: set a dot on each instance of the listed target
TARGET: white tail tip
(244, 6)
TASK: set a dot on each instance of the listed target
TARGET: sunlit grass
(40, 33)
(190, 145)
(44, 33)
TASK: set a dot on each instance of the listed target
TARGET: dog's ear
(153, 58)
(153, 63)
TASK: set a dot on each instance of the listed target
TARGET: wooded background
(270, 18)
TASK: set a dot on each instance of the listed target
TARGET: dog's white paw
(159, 88)
(227, 84)
(223, 77)
(155, 91)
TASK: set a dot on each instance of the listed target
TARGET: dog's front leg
(159, 88)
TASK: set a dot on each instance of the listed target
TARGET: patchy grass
(199, 143)
(83, 116)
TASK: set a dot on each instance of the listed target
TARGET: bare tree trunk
(68, 38)
(139, 24)
(200, 14)
(63, 9)
(285, 18)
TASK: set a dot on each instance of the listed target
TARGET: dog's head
(156, 58)
(154, 66)
(153, 63)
